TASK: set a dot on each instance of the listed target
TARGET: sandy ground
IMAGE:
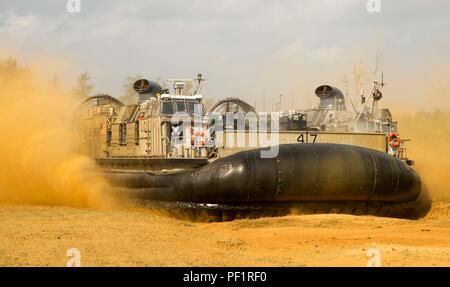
(40, 236)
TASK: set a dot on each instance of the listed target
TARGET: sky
(244, 48)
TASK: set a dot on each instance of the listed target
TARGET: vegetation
(129, 95)
(83, 88)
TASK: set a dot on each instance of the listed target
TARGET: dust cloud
(430, 149)
(38, 162)
(39, 165)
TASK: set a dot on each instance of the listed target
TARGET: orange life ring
(393, 139)
(195, 138)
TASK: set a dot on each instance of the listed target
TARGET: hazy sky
(241, 47)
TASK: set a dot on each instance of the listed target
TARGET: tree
(83, 88)
(129, 96)
(10, 70)
(359, 79)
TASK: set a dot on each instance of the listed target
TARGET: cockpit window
(195, 108)
(167, 108)
(181, 106)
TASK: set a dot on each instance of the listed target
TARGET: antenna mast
(199, 82)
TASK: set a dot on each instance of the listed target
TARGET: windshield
(167, 108)
(195, 108)
(181, 106)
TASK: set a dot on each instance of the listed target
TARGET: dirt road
(40, 236)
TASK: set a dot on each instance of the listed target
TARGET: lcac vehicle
(168, 152)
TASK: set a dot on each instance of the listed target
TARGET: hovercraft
(167, 153)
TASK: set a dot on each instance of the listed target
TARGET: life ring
(393, 140)
(196, 135)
